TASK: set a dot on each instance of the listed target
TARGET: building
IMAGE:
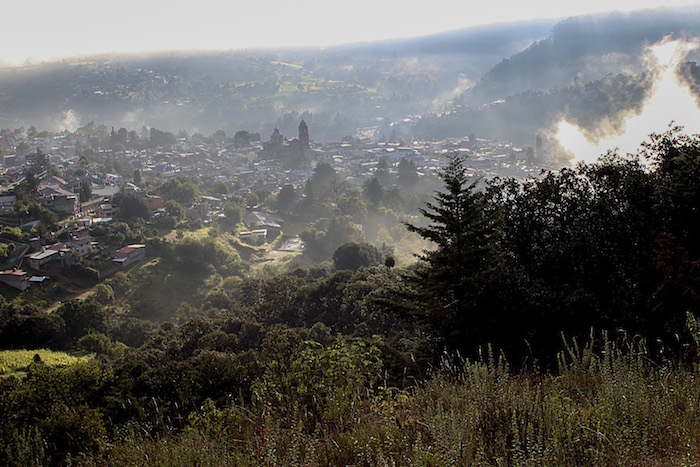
(257, 234)
(264, 220)
(15, 278)
(294, 153)
(7, 203)
(80, 240)
(41, 258)
(129, 254)
(59, 200)
(154, 202)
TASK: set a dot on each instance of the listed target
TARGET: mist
(670, 102)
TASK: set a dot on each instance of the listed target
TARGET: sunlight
(671, 101)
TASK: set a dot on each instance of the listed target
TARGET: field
(17, 361)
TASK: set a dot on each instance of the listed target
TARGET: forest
(548, 322)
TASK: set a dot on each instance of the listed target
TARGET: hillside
(344, 86)
(585, 49)
(541, 71)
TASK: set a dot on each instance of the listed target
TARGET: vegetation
(12, 361)
(456, 359)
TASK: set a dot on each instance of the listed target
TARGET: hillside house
(153, 202)
(59, 200)
(80, 240)
(129, 254)
(15, 278)
(40, 259)
(7, 203)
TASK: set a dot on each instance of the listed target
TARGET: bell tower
(276, 137)
(304, 134)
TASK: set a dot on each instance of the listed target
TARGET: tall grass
(609, 407)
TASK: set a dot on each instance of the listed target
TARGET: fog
(670, 102)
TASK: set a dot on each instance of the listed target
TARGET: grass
(14, 361)
(611, 409)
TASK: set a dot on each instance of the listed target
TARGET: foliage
(600, 408)
(356, 255)
(180, 189)
(452, 285)
(234, 209)
(324, 236)
(174, 209)
(131, 205)
(99, 344)
(286, 199)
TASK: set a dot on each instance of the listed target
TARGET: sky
(41, 30)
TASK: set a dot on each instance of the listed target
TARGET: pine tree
(450, 282)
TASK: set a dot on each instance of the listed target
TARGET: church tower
(276, 138)
(304, 134)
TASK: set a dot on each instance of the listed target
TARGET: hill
(590, 68)
(585, 49)
(345, 86)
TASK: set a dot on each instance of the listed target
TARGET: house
(53, 182)
(7, 203)
(80, 240)
(59, 200)
(112, 179)
(215, 203)
(153, 202)
(264, 220)
(129, 254)
(106, 210)
(41, 258)
(15, 278)
(254, 234)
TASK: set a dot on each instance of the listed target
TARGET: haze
(46, 29)
(670, 102)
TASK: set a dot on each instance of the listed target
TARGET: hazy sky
(44, 29)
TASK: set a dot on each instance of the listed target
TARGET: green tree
(353, 256)
(324, 236)
(373, 192)
(181, 189)
(234, 209)
(39, 161)
(219, 136)
(286, 199)
(408, 174)
(85, 190)
(242, 139)
(450, 280)
(351, 204)
(131, 205)
(219, 188)
(161, 138)
(137, 177)
(174, 209)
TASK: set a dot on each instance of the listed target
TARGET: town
(77, 174)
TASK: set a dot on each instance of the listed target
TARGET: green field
(14, 361)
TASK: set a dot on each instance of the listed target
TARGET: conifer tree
(450, 283)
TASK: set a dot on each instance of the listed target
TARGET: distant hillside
(344, 87)
(460, 82)
(584, 49)
(519, 118)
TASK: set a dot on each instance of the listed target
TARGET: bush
(353, 256)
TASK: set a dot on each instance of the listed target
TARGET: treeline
(597, 106)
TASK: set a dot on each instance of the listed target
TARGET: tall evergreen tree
(451, 283)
